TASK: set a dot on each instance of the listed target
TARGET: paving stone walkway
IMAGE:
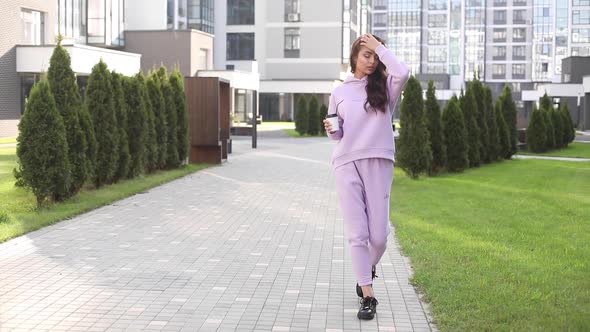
(254, 244)
(522, 156)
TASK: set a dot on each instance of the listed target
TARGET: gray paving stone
(255, 244)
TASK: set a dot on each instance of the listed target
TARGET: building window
(71, 18)
(436, 68)
(437, 20)
(499, 17)
(437, 55)
(498, 71)
(380, 4)
(170, 14)
(201, 15)
(519, 34)
(292, 13)
(580, 35)
(178, 8)
(381, 34)
(203, 63)
(518, 52)
(240, 46)
(581, 16)
(380, 20)
(33, 26)
(27, 83)
(518, 16)
(561, 41)
(437, 37)
(240, 12)
(580, 51)
(518, 70)
(499, 52)
(543, 49)
(500, 35)
(499, 3)
(581, 2)
(292, 42)
(519, 3)
(437, 5)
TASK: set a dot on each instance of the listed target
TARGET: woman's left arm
(397, 70)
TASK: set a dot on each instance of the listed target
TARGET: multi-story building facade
(298, 47)
(520, 42)
(172, 33)
(93, 30)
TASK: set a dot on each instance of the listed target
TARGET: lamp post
(580, 121)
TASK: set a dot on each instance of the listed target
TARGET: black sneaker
(359, 290)
(368, 308)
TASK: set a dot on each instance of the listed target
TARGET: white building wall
(145, 15)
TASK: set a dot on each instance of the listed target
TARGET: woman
(364, 156)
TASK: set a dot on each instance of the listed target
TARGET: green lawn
(502, 248)
(18, 205)
(574, 150)
(7, 140)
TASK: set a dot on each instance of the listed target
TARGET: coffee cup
(333, 118)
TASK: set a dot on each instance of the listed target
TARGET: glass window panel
(240, 46)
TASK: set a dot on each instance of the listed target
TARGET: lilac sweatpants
(363, 188)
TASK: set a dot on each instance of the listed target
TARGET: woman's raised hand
(369, 41)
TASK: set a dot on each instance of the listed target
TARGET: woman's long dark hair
(376, 82)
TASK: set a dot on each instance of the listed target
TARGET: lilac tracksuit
(363, 164)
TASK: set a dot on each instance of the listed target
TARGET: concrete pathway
(255, 244)
(521, 156)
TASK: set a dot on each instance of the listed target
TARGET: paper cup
(333, 118)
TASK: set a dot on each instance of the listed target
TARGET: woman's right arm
(333, 109)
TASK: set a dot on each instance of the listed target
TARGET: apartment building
(298, 47)
(93, 30)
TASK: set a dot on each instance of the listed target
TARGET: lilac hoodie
(366, 134)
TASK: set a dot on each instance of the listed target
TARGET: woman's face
(366, 61)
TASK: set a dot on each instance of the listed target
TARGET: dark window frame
(240, 51)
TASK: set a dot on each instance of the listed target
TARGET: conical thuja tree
(154, 89)
(182, 129)
(313, 126)
(152, 157)
(493, 147)
(469, 109)
(570, 132)
(504, 135)
(480, 116)
(137, 124)
(435, 130)
(92, 145)
(509, 113)
(172, 159)
(414, 155)
(301, 116)
(121, 113)
(455, 135)
(99, 100)
(546, 107)
(558, 127)
(536, 133)
(42, 150)
(66, 94)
